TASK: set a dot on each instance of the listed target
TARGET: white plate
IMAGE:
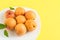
(12, 35)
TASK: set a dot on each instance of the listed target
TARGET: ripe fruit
(30, 25)
(10, 22)
(19, 11)
(30, 15)
(9, 14)
(20, 29)
(20, 19)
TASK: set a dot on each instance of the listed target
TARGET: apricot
(20, 29)
(19, 11)
(20, 19)
(9, 14)
(30, 15)
(11, 23)
(30, 25)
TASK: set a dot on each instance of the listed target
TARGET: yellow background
(49, 11)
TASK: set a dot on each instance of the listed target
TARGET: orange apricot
(20, 29)
(30, 15)
(19, 11)
(20, 19)
(30, 25)
(11, 23)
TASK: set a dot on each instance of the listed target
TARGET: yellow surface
(49, 11)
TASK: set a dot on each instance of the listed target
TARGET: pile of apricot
(21, 21)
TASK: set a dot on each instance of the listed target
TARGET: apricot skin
(9, 14)
(20, 19)
(19, 11)
(11, 23)
(30, 25)
(30, 15)
(20, 29)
